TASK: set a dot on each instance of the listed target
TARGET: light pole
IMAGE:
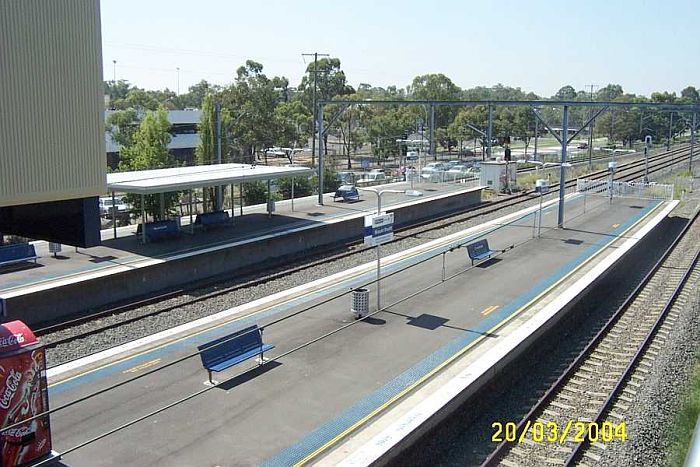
(379, 194)
(114, 71)
(178, 80)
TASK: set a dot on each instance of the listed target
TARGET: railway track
(626, 172)
(583, 411)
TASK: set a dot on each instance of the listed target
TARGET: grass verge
(684, 422)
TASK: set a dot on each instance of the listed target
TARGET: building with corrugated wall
(52, 151)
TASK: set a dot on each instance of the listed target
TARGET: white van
(372, 178)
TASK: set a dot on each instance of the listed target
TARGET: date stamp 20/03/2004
(552, 432)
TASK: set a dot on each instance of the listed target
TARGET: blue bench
(479, 250)
(159, 230)
(17, 253)
(212, 219)
(230, 350)
(347, 192)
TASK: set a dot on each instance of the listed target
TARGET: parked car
(372, 178)
(434, 171)
(347, 192)
(120, 204)
(582, 146)
(345, 177)
(462, 171)
(457, 171)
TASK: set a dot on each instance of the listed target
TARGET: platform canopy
(185, 178)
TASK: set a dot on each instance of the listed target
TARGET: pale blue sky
(537, 45)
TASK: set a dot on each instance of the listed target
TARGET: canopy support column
(240, 194)
(143, 219)
(269, 199)
(114, 216)
(190, 211)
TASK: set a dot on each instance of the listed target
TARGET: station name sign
(379, 229)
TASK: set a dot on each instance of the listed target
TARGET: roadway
(296, 405)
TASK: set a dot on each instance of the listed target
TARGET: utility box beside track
(498, 175)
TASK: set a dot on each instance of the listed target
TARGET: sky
(536, 45)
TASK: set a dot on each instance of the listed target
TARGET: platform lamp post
(379, 194)
(647, 147)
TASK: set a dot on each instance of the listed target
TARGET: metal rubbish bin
(360, 302)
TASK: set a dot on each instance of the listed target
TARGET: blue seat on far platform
(479, 250)
(230, 350)
(211, 219)
(17, 253)
(159, 230)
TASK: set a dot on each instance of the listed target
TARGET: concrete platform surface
(296, 407)
(126, 250)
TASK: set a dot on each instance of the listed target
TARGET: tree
(523, 125)
(329, 81)
(566, 93)
(437, 87)
(149, 150)
(206, 153)
(292, 123)
(255, 192)
(609, 92)
(122, 125)
(194, 98)
(302, 187)
(115, 91)
(478, 118)
(690, 94)
(252, 100)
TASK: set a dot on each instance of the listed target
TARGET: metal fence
(625, 189)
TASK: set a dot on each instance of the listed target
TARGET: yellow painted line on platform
(142, 366)
(235, 319)
(464, 350)
(488, 310)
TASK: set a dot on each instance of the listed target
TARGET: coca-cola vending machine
(23, 394)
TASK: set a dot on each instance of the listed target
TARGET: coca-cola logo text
(11, 384)
(12, 339)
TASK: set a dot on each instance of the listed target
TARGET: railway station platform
(340, 391)
(123, 267)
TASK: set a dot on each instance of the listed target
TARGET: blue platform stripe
(206, 336)
(254, 318)
(319, 437)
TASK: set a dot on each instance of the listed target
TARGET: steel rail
(579, 448)
(501, 450)
(470, 213)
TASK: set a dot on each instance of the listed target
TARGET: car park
(462, 171)
(345, 177)
(372, 178)
(434, 171)
(120, 205)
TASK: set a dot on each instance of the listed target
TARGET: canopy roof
(184, 178)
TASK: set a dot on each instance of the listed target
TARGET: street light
(379, 194)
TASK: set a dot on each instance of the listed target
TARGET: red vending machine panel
(23, 394)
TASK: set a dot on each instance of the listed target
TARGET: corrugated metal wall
(51, 101)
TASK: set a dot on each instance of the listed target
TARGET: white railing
(625, 189)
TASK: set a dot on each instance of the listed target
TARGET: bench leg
(211, 381)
